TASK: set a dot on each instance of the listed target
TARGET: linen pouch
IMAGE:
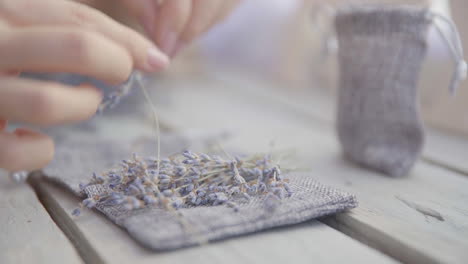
(381, 51)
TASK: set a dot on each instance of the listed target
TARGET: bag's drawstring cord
(455, 47)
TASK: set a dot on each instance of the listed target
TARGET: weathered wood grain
(444, 149)
(447, 150)
(27, 233)
(305, 243)
(403, 231)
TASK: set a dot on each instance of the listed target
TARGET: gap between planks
(27, 233)
(302, 243)
(64, 221)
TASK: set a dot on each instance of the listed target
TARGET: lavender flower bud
(89, 203)
(76, 212)
(167, 193)
(204, 157)
(279, 192)
(149, 199)
(262, 188)
(177, 202)
(164, 176)
(165, 181)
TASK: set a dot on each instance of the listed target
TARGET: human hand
(173, 24)
(58, 36)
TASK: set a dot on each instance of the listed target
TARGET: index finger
(146, 55)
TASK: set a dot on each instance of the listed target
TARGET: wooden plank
(312, 241)
(401, 210)
(441, 148)
(27, 233)
(447, 150)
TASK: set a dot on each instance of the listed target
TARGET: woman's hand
(58, 36)
(173, 24)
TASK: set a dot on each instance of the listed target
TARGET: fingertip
(40, 148)
(93, 100)
(25, 149)
(156, 60)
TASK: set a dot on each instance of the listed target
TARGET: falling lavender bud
(76, 212)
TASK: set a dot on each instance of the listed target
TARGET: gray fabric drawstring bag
(381, 51)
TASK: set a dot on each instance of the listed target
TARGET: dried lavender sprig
(189, 189)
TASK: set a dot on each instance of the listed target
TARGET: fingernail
(156, 60)
(169, 43)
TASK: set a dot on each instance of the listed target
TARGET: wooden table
(422, 218)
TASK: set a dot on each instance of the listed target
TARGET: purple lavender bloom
(168, 193)
(257, 172)
(164, 176)
(234, 190)
(132, 189)
(165, 181)
(149, 199)
(177, 202)
(252, 190)
(189, 188)
(195, 171)
(278, 191)
(98, 179)
(190, 162)
(83, 186)
(205, 157)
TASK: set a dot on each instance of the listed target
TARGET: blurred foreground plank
(27, 233)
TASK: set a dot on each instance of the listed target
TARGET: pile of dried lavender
(189, 179)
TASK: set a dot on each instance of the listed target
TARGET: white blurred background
(290, 43)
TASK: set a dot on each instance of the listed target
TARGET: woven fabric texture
(159, 229)
(381, 50)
